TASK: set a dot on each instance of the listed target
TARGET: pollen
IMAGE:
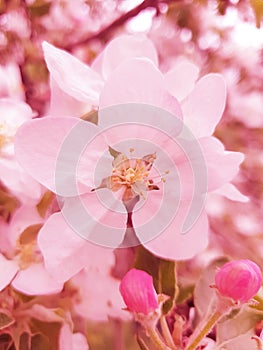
(133, 176)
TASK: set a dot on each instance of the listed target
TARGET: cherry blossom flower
(20, 259)
(130, 78)
(12, 115)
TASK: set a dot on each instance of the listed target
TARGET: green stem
(156, 339)
(166, 333)
(205, 330)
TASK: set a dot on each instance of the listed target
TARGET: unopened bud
(138, 292)
(239, 280)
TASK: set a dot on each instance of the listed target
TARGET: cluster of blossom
(96, 187)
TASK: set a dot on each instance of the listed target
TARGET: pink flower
(21, 262)
(12, 115)
(141, 119)
(138, 292)
(239, 280)
(65, 254)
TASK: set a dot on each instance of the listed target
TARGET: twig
(105, 32)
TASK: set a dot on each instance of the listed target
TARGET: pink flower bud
(138, 292)
(239, 280)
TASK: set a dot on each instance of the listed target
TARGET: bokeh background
(223, 36)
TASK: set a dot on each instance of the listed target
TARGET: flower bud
(239, 280)
(138, 292)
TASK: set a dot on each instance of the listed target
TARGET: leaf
(5, 320)
(99, 334)
(184, 293)
(243, 342)
(203, 293)
(47, 335)
(236, 325)
(163, 273)
(40, 342)
(167, 283)
(111, 335)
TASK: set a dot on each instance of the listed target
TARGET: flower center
(132, 176)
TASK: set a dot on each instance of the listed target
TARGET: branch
(105, 32)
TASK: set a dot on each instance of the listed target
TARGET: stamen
(134, 174)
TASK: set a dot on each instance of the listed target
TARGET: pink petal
(18, 181)
(79, 342)
(137, 80)
(63, 104)
(35, 280)
(222, 166)
(6, 246)
(231, 192)
(180, 80)
(10, 81)
(98, 217)
(239, 280)
(157, 212)
(24, 217)
(49, 150)
(14, 112)
(73, 77)
(203, 108)
(125, 47)
(171, 242)
(65, 253)
(8, 270)
(129, 123)
(99, 296)
(70, 341)
(45, 314)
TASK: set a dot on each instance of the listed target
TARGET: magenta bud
(138, 292)
(239, 280)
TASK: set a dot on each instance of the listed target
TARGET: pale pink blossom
(126, 74)
(66, 254)
(239, 280)
(21, 261)
(12, 115)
